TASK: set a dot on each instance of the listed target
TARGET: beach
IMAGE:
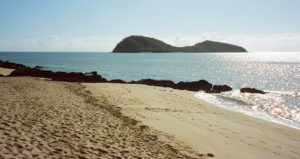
(41, 118)
(201, 125)
(5, 71)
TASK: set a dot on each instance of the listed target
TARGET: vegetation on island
(136, 44)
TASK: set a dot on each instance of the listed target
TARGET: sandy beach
(204, 127)
(48, 119)
(5, 71)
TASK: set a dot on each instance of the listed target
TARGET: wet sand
(204, 127)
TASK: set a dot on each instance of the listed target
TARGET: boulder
(219, 89)
(38, 67)
(194, 85)
(251, 90)
(116, 81)
(151, 82)
(94, 73)
(8, 64)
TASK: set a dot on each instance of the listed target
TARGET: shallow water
(277, 73)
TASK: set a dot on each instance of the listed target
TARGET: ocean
(276, 73)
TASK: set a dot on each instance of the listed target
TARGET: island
(136, 44)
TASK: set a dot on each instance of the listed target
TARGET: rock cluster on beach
(59, 76)
(7, 64)
(22, 70)
(94, 77)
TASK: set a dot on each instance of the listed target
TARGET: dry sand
(47, 119)
(204, 127)
(5, 71)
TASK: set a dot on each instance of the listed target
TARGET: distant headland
(135, 44)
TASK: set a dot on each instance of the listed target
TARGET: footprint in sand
(278, 146)
(262, 141)
(250, 144)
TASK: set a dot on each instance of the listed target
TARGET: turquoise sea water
(277, 73)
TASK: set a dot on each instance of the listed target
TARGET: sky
(98, 25)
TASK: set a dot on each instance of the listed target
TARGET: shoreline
(7, 71)
(177, 116)
(150, 82)
(16, 70)
(199, 124)
(94, 77)
(252, 114)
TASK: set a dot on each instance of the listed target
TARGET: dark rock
(219, 89)
(251, 90)
(133, 82)
(161, 83)
(24, 71)
(94, 73)
(58, 76)
(38, 67)
(116, 81)
(210, 155)
(194, 86)
(7, 64)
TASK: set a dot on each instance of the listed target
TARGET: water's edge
(238, 107)
(275, 73)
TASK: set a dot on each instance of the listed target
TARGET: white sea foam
(275, 106)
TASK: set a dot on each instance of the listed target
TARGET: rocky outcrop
(116, 81)
(194, 85)
(219, 89)
(190, 86)
(151, 82)
(7, 64)
(59, 76)
(22, 70)
(38, 67)
(251, 90)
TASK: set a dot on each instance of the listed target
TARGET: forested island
(135, 44)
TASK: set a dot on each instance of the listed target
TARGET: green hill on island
(146, 44)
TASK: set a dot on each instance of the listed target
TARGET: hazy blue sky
(97, 25)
